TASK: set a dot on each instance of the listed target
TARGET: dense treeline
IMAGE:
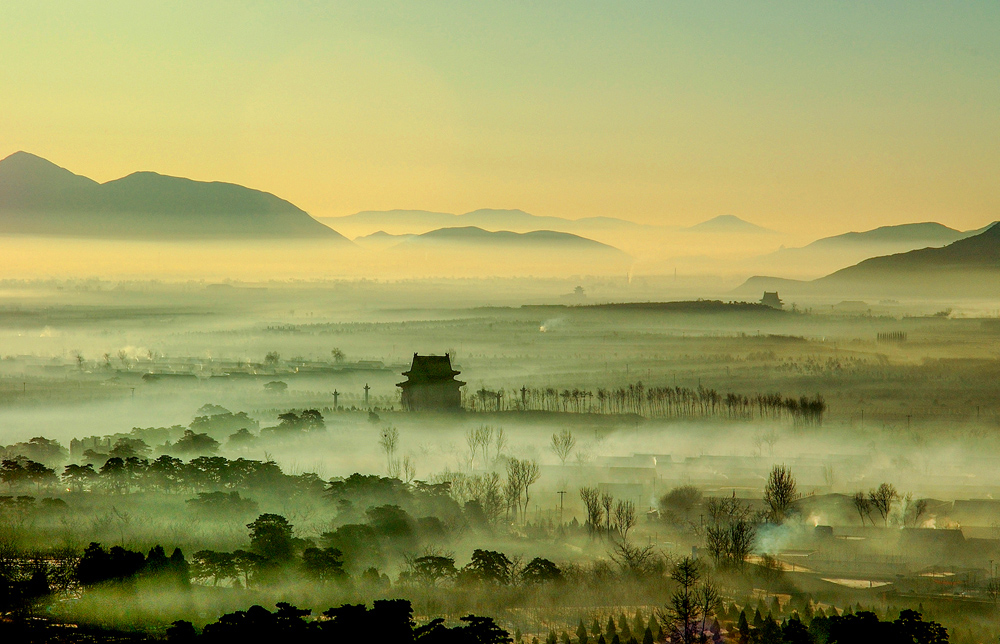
(166, 474)
(652, 402)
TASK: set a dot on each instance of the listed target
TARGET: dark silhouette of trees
(431, 569)
(98, 565)
(489, 566)
(540, 571)
(43, 450)
(194, 443)
(656, 402)
(323, 564)
(78, 477)
(21, 471)
(387, 621)
(271, 537)
(291, 423)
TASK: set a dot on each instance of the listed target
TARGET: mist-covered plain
(177, 451)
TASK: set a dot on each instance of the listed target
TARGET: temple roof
(430, 369)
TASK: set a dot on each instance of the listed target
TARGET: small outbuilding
(431, 385)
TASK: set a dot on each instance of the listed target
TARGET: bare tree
(637, 561)
(780, 492)
(731, 531)
(591, 500)
(512, 489)
(916, 510)
(607, 502)
(472, 442)
(529, 474)
(624, 518)
(882, 498)
(388, 441)
(863, 506)
(770, 437)
(409, 470)
(708, 599)
(562, 444)
(499, 442)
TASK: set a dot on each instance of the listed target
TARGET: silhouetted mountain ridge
(38, 197)
(976, 252)
(928, 232)
(402, 222)
(471, 235)
(969, 267)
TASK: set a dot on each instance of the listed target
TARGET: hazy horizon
(818, 118)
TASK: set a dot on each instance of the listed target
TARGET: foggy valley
(499, 323)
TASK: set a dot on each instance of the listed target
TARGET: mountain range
(504, 239)
(38, 197)
(967, 267)
(415, 222)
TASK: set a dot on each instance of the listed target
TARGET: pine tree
(637, 624)
(595, 628)
(647, 637)
(610, 629)
(581, 633)
(564, 637)
(758, 621)
(654, 626)
(743, 626)
(551, 639)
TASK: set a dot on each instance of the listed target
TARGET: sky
(819, 116)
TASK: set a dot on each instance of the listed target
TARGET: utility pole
(367, 388)
(561, 494)
(336, 397)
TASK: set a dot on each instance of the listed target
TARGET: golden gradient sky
(798, 116)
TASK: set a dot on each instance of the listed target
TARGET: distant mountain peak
(23, 170)
(728, 224)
